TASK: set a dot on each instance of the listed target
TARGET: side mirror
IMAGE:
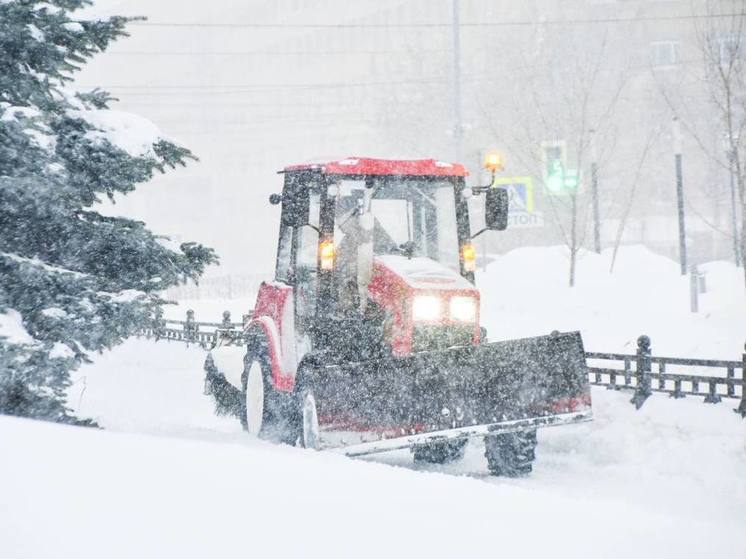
(496, 209)
(275, 199)
(296, 208)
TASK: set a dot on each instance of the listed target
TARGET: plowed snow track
(681, 457)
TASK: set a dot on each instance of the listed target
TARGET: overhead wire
(274, 53)
(429, 25)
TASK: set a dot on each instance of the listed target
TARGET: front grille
(429, 337)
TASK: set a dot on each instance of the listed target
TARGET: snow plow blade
(467, 391)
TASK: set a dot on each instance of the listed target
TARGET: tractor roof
(369, 166)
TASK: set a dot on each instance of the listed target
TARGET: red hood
(397, 280)
(423, 273)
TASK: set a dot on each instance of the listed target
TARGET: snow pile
(525, 293)
(129, 132)
(423, 273)
(34, 126)
(11, 112)
(11, 328)
(671, 456)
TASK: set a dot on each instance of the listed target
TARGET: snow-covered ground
(167, 478)
(525, 293)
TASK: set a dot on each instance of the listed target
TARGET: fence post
(159, 325)
(742, 407)
(190, 327)
(694, 289)
(731, 375)
(643, 389)
(712, 395)
(702, 282)
(677, 392)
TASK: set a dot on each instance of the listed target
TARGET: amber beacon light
(326, 254)
(469, 256)
(493, 161)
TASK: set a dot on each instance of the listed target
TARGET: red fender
(274, 316)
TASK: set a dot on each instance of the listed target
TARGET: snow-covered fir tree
(72, 281)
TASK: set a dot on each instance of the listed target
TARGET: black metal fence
(677, 376)
(190, 331)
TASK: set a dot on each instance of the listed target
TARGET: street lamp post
(679, 193)
(456, 82)
(594, 196)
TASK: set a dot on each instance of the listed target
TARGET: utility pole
(679, 193)
(596, 213)
(456, 84)
(733, 218)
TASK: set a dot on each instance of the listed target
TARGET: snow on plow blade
(467, 391)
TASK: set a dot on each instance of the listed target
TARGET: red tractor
(368, 337)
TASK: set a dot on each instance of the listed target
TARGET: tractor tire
(510, 454)
(308, 420)
(303, 420)
(440, 453)
(264, 410)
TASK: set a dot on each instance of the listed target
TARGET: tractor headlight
(426, 307)
(463, 309)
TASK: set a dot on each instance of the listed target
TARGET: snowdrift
(525, 293)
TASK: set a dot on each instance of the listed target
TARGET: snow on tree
(72, 281)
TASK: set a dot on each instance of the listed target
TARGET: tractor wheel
(440, 453)
(510, 454)
(303, 420)
(264, 409)
(308, 420)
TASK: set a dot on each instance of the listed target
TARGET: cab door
(285, 307)
(306, 273)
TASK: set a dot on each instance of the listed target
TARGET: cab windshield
(411, 216)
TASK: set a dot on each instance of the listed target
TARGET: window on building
(728, 48)
(664, 53)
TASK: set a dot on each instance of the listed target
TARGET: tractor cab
(383, 245)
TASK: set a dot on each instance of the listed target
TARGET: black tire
(510, 454)
(441, 452)
(303, 403)
(276, 406)
(307, 426)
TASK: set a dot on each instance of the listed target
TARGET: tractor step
(475, 431)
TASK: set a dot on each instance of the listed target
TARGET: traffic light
(555, 177)
(571, 180)
(558, 180)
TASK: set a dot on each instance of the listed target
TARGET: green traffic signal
(560, 181)
(571, 179)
